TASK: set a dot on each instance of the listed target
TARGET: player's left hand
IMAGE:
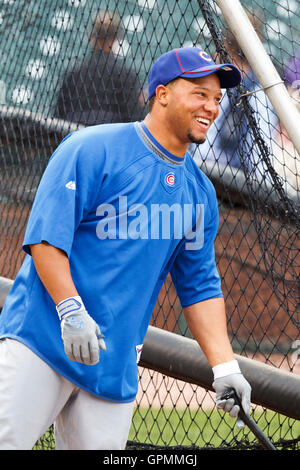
(242, 388)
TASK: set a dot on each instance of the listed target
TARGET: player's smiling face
(193, 106)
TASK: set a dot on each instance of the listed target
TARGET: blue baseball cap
(189, 62)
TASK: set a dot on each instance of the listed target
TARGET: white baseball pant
(33, 396)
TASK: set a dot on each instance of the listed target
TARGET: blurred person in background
(101, 89)
(286, 158)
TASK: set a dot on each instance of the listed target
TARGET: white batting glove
(227, 377)
(80, 333)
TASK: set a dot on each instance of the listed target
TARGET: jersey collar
(156, 147)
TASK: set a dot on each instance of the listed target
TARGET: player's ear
(162, 95)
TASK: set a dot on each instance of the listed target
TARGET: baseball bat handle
(252, 425)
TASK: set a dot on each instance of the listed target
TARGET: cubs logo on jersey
(170, 178)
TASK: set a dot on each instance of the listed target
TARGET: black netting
(248, 156)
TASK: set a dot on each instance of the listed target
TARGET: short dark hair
(151, 103)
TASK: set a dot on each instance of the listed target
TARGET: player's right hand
(80, 333)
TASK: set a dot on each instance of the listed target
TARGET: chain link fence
(61, 70)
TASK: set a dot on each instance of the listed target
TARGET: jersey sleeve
(65, 194)
(194, 271)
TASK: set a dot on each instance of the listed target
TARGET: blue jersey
(126, 212)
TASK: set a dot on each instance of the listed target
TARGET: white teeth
(203, 121)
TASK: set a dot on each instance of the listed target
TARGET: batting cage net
(72, 63)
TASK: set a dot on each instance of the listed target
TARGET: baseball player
(118, 208)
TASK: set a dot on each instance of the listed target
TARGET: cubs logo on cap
(205, 56)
